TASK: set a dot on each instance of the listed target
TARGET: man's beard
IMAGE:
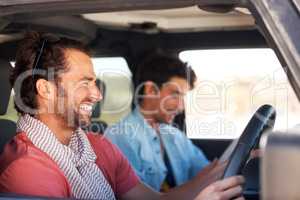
(81, 121)
(69, 114)
(75, 119)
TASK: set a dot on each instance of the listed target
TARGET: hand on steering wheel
(262, 121)
(223, 189)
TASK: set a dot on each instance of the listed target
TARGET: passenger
(51, 155)
(161, 154)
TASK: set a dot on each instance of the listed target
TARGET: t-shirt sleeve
(28, 176)
(115, 165)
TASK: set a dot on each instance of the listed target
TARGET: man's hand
(256, 153)
(211, 173)
(223, 189)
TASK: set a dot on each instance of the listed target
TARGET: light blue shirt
(141, 145)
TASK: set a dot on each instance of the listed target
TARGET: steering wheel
(262, 120)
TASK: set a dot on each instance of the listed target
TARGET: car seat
(7, 127)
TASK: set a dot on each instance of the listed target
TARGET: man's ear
(150, 88)
(44, 88)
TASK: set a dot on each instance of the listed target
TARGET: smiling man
(52, 156)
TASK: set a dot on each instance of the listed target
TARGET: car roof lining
(188, 19)
(18, 15)
(155, 4)
(29, 8)
(71, 26)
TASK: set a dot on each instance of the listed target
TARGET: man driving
(160, 153)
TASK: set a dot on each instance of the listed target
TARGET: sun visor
(5, 87)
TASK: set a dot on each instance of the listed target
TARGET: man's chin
(167, 120)
(170, 121)
(84, 122)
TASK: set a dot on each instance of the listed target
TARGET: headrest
(8, 131)
(5, 87)
(97, 109)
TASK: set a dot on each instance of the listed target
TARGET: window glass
(231, 85)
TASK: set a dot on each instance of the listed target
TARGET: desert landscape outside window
(231, 85)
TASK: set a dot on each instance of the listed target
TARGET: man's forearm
(189, 190)
(192, 188)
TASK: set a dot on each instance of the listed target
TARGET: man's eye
(175, 94)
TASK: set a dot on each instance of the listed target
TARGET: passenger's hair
(160, 68)
(52, 58)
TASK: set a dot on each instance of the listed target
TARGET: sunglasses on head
(37, 64)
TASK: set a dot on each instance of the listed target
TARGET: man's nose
(181, 105)
(96, 94)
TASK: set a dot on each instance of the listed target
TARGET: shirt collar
(164, 128)
(146, 126)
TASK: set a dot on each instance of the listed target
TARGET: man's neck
(57, 125)
(151, 120)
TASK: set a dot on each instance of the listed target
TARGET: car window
(116, 75)
(231, 85)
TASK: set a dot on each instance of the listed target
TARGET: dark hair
(160, 68)
(51, 52)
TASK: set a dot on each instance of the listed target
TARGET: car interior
(120, 35)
